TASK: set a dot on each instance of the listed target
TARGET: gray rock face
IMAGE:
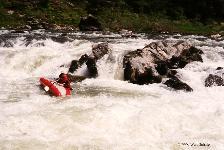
(153, 62)
(99, 50)
(136, 63)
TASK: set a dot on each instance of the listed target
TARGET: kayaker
(63, 79)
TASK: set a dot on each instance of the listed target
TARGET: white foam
(106, 112)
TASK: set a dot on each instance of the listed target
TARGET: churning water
(106, 112)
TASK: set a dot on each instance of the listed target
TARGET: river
(106, 112)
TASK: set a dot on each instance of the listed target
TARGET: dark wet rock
(75, 78)
(177, 62)
(162, 68)
(90, 63)
(186, 57)
(214, 80)
(91, 66)
(18, 31)
(171, 74)
(39, 44)
(177, 84)
(219, 68)
(148, 77)
(60, 39)
(83, 59)
(99, 50)
(64, 34)
(74, 66)
(89, 23)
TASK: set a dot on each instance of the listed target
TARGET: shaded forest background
(187, 16)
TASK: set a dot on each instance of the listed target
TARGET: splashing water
(106, 112)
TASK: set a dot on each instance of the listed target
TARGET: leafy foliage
(137, 15)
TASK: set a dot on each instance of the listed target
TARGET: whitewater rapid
(106, 112)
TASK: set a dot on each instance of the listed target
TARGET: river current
(106, 113)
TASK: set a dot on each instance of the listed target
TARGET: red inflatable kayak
(54, 88)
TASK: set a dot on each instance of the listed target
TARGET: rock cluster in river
(152, 64)
(98, 51)
(156, 60)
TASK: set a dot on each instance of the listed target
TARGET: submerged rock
(214, 80)
(60, 39)
(219, 68)
(6, 40)
(75, 78)
(177, 84)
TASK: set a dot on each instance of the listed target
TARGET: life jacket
(63, 79)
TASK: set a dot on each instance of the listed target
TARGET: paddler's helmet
(63, 76)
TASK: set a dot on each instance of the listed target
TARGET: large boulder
(139, 67)
(89, 23)
(154, 57)
(154, 61)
